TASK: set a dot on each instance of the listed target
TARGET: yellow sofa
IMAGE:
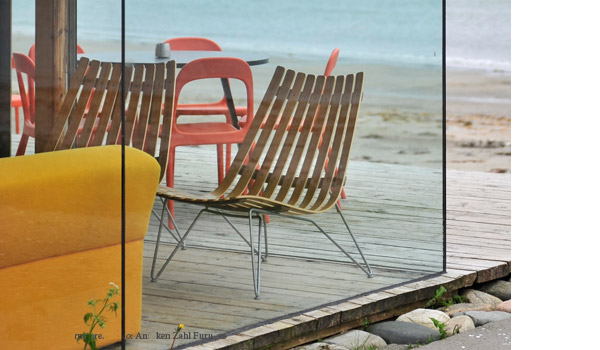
(60, 234)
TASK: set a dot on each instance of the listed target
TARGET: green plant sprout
(438, 299)
(441, 327)
(96, 318)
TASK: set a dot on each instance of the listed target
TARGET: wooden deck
(309, 291)
(308, 288)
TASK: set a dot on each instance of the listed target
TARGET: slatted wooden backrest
(285, 155)
(90, 114)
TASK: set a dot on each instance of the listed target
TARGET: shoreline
(401, 113)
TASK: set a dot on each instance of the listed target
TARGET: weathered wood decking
(208, 286)
(308, 289)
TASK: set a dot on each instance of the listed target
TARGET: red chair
(15, 102)
(332, 61)
(210, 133)
(24, 66)
(215, 108)
(32, 51)
(26, 97)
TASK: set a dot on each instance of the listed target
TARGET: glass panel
(394, 182)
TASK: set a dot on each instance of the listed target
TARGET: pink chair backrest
(24, 65)
(193, 43)
(332, 61)
(218, 67)
(32, 51)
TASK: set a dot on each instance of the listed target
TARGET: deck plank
(308, 290)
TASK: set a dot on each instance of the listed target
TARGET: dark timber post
(5, 67)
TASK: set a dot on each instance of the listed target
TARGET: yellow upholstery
(60, 242)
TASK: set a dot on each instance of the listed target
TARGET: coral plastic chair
(216, 108)
(25, 69)
(210, 133)
(26, 97)
(15, 102)
(331, 62)
(32, 51)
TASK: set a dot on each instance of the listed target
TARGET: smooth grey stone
(482, 317)
(397, 347)
(479, 297)
(458, 324)
(320, 346)
(464, 307)
(498, 288)
(357, 339)
(424, 316)
(399, 332)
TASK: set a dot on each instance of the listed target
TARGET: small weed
(441, 327)
(439, 300)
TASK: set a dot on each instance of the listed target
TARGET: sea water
(388, 31)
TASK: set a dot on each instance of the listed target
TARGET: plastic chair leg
(171, 183)
(17, 126)
(22, 145)
(220, 165)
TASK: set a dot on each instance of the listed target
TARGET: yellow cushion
(63, 202)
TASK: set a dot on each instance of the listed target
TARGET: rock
(459, 324)
(498, 288)
(504, 306)
(320, 346)
(397, 347)
(399, 332)
(424, 316)
(356, 339)
(482, 317)
(476, 296)
(462, 307)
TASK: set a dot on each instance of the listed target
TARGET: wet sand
(401, 113)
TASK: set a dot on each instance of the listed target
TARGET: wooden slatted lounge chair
(289, 170)
(147, 87)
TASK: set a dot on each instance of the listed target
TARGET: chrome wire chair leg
(255, 265)
(180, 242)
(264, 257)
(366, 269)
(165, 225)
(339, 210)
(264, 220)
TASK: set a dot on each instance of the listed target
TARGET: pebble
(483, 317)
(399, 332)
(462, 307)
(424, 316)
(357, 339)
(498, 288)
(479, 297)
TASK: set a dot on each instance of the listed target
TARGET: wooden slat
(156, 109)
(296, 123)
(116, 121)
(261, 143)
(316, 132)
(109, 106)
(168, 117)
(82, 102)
(307, 124)
(92, 115)
(56, 135)
(154, 91)
(291, 102)
(144, 116)
(134, 99)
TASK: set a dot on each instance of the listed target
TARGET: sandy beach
(401, 115)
